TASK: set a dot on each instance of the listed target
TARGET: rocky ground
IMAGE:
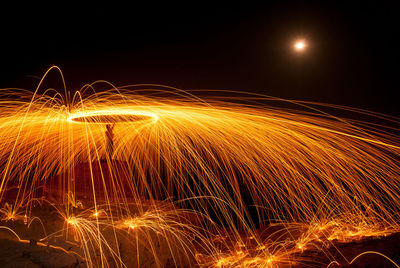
(21, 244)
(57, 251)
(344, 253)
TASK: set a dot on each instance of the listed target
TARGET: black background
(352, 58)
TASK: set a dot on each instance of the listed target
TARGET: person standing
(109, 141)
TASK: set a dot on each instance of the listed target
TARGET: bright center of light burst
(300, 45)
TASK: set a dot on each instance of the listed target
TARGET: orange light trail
(184, 170)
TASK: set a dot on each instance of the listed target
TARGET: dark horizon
(351, 59)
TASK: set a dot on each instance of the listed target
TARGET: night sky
(352, 58)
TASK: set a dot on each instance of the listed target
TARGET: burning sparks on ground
(73, 221)
(312, 179)
(133, 223)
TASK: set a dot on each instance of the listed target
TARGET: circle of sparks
(106, 117)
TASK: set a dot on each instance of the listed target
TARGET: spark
(73, 221)
(315, 177)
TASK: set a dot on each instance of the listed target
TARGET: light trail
(320, 179)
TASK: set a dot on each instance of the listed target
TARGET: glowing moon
(300, 45)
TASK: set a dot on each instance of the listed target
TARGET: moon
(300, 45)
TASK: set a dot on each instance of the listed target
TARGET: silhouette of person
(110, 140)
